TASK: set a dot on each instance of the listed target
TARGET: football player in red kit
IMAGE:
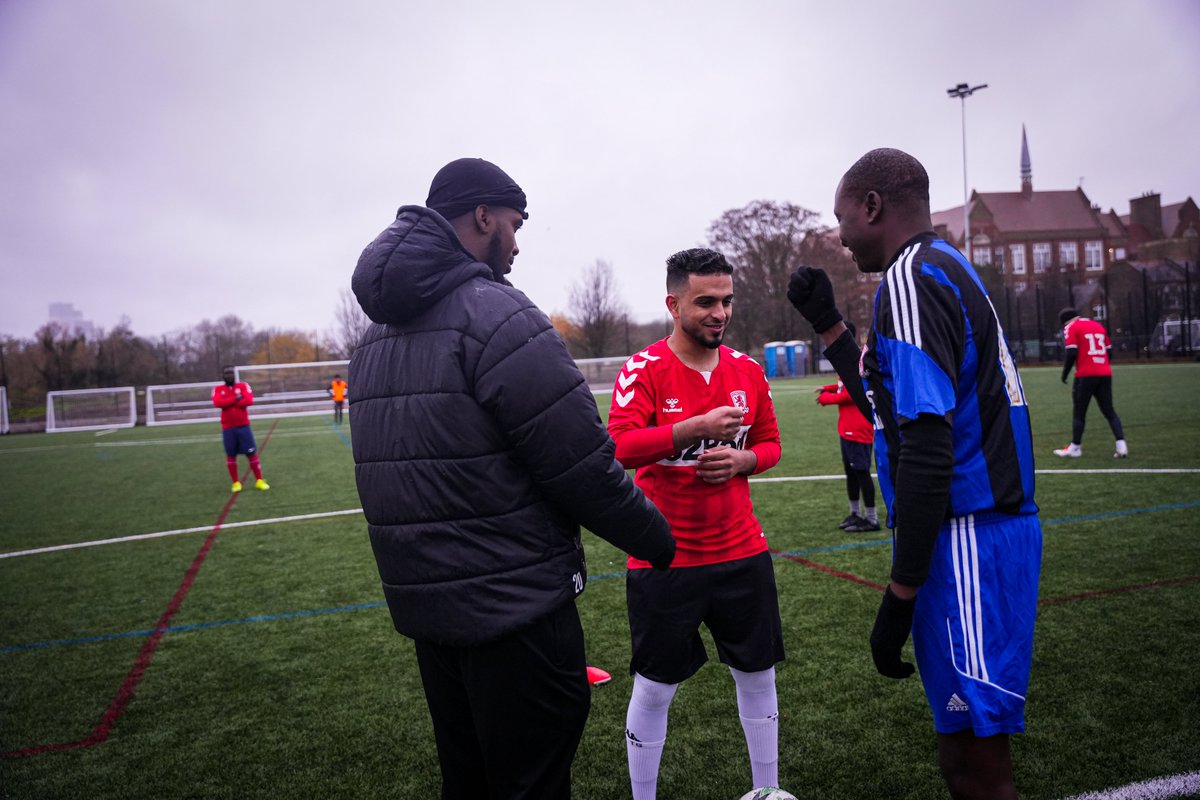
(233, 397)
(856, 434)
(1087, 345)
(695, 418)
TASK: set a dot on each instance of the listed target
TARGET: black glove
(810, 291)
(1064, 377)
(663, 560)
(893, 623)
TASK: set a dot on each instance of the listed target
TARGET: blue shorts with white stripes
(973, 623)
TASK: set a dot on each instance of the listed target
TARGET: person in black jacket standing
(479, 453)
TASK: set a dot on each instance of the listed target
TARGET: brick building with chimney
(1038, 251)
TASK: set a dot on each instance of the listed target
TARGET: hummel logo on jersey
(672, 406)
(956, 703)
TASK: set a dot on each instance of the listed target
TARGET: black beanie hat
(463, 184)
(1067, 314)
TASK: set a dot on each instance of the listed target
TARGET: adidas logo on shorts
(956, 703)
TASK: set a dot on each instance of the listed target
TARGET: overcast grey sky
(174, 160)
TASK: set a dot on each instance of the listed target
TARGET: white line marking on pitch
(300, 517)
(178, 531)
(1039, 472)
(1181, 785)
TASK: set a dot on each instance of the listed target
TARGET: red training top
(852, 425)
(233, 400)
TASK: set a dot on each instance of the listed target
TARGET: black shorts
(856, 455)
(239, 440)
(737, 602)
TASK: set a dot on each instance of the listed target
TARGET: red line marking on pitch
(1044, 601)
(837, 573)
(1119, 590)
(125, 693)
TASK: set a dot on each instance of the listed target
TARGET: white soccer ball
(768, 793)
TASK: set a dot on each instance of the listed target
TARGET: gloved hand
(893, 624)
(1064, 377)
(810, 291)
(663, 560)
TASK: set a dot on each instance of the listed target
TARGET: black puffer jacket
(478, 447)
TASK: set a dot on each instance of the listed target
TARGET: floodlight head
(963, 90)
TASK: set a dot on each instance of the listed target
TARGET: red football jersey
(233, 410)
(1092, 344)
(711, 523)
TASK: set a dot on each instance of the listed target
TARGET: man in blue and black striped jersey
(955, 457)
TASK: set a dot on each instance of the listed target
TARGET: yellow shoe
(261, 485)
(237, 487)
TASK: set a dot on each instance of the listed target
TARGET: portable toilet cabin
(797, 357)
(773, 352)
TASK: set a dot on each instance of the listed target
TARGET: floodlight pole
(962, 91)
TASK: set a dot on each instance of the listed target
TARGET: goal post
(3, 410)
(302, 389)
(291, 390)
(280, 390)
(180, 403)
(90, 409)
(601, 373)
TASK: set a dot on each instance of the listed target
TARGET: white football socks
(646, 733)
(758, 708)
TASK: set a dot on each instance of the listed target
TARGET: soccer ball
(768, 793)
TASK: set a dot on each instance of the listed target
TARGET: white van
(1169, 337)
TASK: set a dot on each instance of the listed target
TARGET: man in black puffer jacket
(478, 454)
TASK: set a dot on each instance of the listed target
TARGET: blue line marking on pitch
(13, 648)
(338, 430)
(1129, 513)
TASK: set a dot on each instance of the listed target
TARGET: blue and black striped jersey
(937, 347)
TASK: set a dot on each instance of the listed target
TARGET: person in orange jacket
(337, 390)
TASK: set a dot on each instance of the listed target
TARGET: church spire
(1026, 166)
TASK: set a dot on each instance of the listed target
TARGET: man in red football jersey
(856, 434)
(694, 419)
(233, 397)
(1087, 345)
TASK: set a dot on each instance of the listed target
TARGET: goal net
(90, 409)
(601, 373)
(292, 390)
(179, 403)
(280, 390)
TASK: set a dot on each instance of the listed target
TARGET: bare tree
(211, 345)
(352, 323)
(598, 312)
(765, 241)
(61, 357)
